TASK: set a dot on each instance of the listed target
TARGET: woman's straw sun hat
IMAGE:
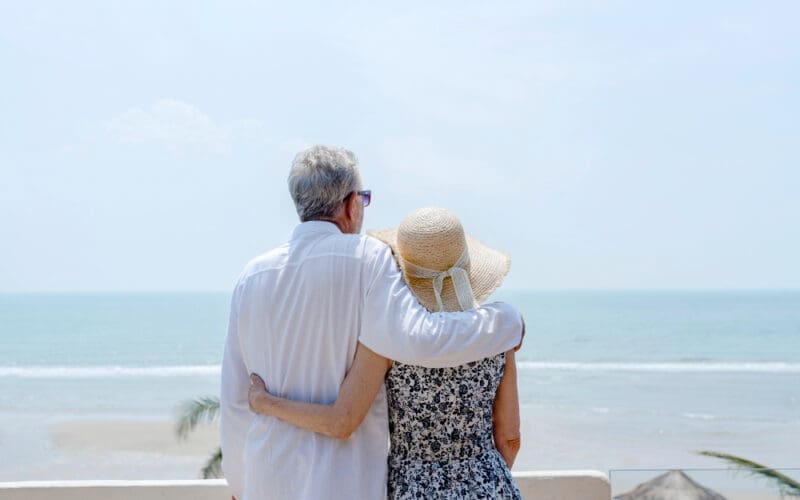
(433, 251)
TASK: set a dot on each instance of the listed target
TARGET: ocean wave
(698, 416)
(739, 367)
(106, 371)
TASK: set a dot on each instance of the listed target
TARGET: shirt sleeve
(395, 325)
(235, 415)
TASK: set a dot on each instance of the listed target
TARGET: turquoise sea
(608, 379)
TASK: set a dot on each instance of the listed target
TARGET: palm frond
(785, 484)
(213, 467)
(195, 411)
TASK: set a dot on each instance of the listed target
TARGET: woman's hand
(257, 395)
(340, 419)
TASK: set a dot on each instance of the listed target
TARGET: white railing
(544, 485)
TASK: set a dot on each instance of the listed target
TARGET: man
(297, 315)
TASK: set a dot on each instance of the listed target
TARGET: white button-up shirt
(297, 315)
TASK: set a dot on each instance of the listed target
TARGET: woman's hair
(321, 177)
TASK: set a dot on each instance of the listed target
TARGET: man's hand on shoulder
(522, 337)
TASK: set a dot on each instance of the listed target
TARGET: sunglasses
(366, 196)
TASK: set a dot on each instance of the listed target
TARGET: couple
(343, 347)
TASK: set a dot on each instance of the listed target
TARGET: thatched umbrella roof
(673, 485)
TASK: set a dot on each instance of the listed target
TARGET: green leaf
(194, 412)
(213, 467)
(785, 484)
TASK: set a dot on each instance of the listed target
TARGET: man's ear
(345, 217)
(350, 208)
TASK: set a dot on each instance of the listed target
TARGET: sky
(144, 146)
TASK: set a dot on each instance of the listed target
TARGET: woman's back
(440, 423)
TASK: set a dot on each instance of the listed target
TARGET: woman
(454, 431)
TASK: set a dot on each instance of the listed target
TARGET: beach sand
(147, 448)
(132, 436)
(107, 449)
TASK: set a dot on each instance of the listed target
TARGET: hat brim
(487, 268)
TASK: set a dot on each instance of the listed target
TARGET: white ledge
(105, 483)
(534, 485)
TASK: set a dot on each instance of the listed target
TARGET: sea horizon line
(99, 371)
(499, 291)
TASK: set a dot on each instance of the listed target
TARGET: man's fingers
(522, 337)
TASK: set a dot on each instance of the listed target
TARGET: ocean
(609, 380)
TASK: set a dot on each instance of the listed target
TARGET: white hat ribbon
(460, 278)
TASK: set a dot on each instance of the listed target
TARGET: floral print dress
(440, 423)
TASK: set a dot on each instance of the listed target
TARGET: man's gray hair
(320, 179)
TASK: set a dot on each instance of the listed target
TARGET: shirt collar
(315, 226)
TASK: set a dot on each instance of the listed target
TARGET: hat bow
(457, 273)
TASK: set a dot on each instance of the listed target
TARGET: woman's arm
(339, 419)
(505, 413)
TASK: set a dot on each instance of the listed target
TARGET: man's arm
(397, 326)
(235, 415)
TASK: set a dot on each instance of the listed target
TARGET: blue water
(665, 326)
(160, 330)
(622, 372)
(86, 330)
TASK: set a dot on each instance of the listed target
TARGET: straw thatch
(673, 485)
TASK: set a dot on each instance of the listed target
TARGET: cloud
(180, 127)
